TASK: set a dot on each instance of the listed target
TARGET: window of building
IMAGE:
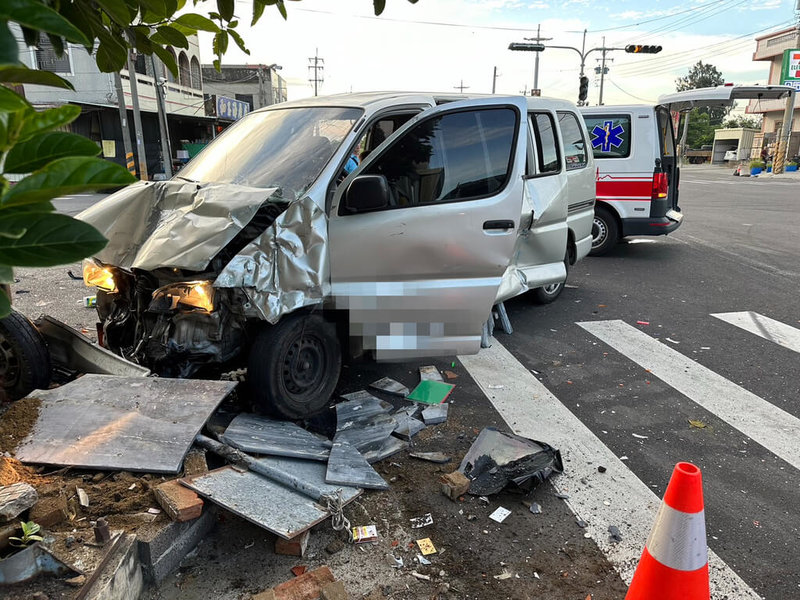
(459, 156)
(170, 77)
(574, 145)
(610, 135)
(196, 78)
(184, 71)
(47, 60)
(246, 98)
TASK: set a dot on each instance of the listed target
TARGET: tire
(549, 293)
(605, 231)
(24, 358)
(283, 386)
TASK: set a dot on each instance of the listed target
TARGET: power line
(628, 93)
(669, 16)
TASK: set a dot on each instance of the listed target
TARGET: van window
(667, 136)
(458, 156)
(544, 132)
(610, 135)
(574, 144)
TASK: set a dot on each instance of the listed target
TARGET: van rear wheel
(294, 366)
(605, 231)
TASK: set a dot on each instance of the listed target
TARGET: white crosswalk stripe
(769, 329)
(532, 411)
(770, 426)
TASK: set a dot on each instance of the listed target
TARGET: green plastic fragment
(431, 392)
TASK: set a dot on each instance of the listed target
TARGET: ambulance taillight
(659, 186)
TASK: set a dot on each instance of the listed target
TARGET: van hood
(177, 224)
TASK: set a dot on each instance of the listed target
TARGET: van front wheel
(605, 231)
(548, 293)
(294, 366)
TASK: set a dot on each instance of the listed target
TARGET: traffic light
(639, 49)
(583, 88)
(522, 47)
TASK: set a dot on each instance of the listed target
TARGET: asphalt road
(613, 372)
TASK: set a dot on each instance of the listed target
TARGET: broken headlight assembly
(186, 295)
(97, 275)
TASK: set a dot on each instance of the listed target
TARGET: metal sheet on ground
(121, 423)
(260, 435)
(346, 466)
(276, 508)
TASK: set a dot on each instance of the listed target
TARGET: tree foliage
(56, 162)
(703, 75)
(743, 122)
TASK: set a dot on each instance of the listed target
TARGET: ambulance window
(667, 136)
(610, 135)
(574, 144)
(544, 132)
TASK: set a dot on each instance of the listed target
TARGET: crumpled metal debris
(173, 223)
(497, 459)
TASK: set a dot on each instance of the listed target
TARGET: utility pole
(602, 70)
(316, 66)
(137, 121)
(494, 80)
(524, 91)
(461, 87)
(262, 93)
(785, 135)
(123, 121)
(538, 39)
(161, 105)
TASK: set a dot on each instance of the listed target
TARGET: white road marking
(532, 411)
(770, 426)
(769, 329)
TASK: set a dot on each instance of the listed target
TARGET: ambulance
(637, 168)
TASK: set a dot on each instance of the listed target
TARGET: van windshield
(284, 148)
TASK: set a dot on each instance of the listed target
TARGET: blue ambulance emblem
(607, 136)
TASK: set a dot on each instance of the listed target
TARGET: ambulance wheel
(548, 293)
(24, 358)
(605, 231)
(294, 366)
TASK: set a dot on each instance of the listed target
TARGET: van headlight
(97, 275)
(191, 294)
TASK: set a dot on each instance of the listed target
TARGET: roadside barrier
(674, 563)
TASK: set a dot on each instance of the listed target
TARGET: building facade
(258, 85)
(96, 94)
(778, 49)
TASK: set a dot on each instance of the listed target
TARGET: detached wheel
(24, 358)
(294, 366)
(605, 231)
(548, 293)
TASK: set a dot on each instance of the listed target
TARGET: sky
(440, 45)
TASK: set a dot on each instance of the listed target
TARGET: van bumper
(652, 226)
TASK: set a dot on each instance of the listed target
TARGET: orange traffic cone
(674, 564)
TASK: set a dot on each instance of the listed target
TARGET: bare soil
(17, 422)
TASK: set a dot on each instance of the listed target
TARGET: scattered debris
(299, 570)
(672, 341)
(422, 560)
(261, 435)
(407, 427)
(451, 375)
(601, 469)
(436, 414)
(421, 576)
(503, 575)
(697, 424)
(500, 514)
(336, 545)
(16, 499)
(294, 547)
(423, 521)
(497, 459)
(455, 484)
(390, 386)
(431, 392)
(614, 534)
(102, 535)
(562, 496)
(365, 533)
(434, 457)
(535, 508)
(495, 387)
(178, 501)
(83, 497)
(426, 546)
(346, 466)
(643, 322)
(394, 561)
(639, 437)
(430, 373)
(581, 523)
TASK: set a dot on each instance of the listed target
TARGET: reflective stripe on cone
(674, 564)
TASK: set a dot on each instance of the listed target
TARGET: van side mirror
(367, 192)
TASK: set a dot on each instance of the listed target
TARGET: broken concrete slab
(430, 373)
(16, 499)
(262, 435)
(435, 414)
(106, 422)
(288, 512)
(346, 466)
(119, 575)
(390, 447)
(368, 433)
(454, 484)
(408, 427)
(434, 457)
(352, 412)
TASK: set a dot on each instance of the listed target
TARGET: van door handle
(500, 224)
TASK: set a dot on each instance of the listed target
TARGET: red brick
(306, 587)
(293, 547)
(454, 484)
(179, 502)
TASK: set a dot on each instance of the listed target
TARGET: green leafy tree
(703, 75)
(743, 122)
(32, 234)
(701, 131)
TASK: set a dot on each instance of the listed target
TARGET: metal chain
(335, 506)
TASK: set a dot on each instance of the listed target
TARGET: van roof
(364, 99)
(615, 108)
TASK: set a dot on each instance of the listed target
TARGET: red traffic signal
(639, 49)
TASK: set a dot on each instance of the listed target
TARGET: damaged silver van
(268, 250)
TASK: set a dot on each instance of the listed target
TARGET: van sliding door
(669, 164)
